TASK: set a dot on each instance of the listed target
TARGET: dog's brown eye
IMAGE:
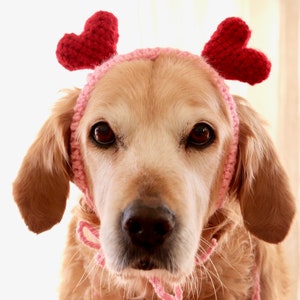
(102, 134)
(202, 135)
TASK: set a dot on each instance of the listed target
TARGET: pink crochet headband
(225, 56)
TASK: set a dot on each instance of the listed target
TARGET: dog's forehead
(147, 88)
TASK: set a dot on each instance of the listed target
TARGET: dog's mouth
(146, 268)
(145, 264)
(136, 259)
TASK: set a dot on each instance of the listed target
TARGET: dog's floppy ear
(260, 181)
(42, 184)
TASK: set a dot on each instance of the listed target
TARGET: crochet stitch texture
(226, 51)
(94, 45)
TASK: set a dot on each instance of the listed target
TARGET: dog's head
(153, 143)
(154, 149)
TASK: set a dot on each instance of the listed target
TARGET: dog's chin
(141, 264)
(145, 264)
(147, 267)
(149, 262)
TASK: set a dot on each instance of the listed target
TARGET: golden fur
(152, 107)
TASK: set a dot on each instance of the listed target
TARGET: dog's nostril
(147, 227)
(163, 228)
(133, 226)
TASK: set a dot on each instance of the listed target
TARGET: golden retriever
(154, 140)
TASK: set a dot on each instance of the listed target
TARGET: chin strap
(89, 235)
(93, 233)
(161, 293)
(256, 289)
(206, 255)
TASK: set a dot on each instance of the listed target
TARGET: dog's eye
(102, 134)
(202, 135)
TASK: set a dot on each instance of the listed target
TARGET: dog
(155, 139)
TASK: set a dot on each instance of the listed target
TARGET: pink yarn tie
(206, 255)
(256, 289)
(156, 283)
(95, 245)
(161, 293)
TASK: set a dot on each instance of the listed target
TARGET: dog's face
(154, 137)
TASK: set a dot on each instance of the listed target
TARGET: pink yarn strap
(161, 293)
(206, 255)
(97, 296)
(80, 230)
(230, 162)
(82, 225)
(256, 289)
(154, 281)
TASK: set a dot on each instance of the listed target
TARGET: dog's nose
(147, 227)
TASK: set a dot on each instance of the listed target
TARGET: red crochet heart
(96, 43)
(227, 53)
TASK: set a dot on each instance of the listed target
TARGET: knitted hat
(225, 56)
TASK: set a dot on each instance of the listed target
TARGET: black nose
(147, 227)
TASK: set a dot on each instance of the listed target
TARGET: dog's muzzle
(147, 232)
